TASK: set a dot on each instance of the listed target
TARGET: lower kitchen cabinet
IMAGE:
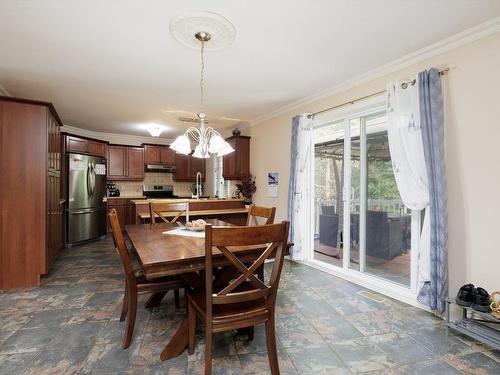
(123, 207)
(120, 205)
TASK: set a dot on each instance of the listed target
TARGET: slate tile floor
(70, 325)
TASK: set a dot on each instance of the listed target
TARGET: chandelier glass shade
(209, 140)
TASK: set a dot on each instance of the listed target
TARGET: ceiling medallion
(184, 27)
(209, 141)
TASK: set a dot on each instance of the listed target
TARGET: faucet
(199, 176)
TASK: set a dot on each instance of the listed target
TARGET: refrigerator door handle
(89, 188)
(81, 212)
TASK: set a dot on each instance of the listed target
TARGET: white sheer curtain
(408, 161)
(300, 194)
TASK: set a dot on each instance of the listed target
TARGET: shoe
(464, 295)
(481, 300)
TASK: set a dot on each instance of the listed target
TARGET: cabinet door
(229, 162)
(135, 157)
(117, 162)
(74, 144)
(181, 167)
(167, 155)
(121, 211)
(196, 165)
(152, 154)
(96, 148)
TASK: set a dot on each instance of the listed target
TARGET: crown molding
(114, 138)
(3, 91)
(470, 35)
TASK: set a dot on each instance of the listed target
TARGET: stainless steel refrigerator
(86, 210)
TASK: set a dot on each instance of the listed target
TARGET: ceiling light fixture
(155, 129)
(209, 140)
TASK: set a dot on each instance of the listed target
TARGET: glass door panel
(328, 199)
(384, 222)
(360, 222)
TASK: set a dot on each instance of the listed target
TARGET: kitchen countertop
(146, 201)
(128, 197)
(228, 211)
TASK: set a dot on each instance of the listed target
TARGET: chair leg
(177, 299)
(271, 347)
(208, 350)
(192, 328)
(131, 319)
(250, 333)
(124, 305)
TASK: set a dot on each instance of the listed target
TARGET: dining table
(163, 254)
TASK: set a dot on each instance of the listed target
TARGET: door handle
(89, 186)
(85, 211)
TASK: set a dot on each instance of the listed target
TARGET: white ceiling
(111, 65)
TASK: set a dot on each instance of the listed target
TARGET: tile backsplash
(151, 178)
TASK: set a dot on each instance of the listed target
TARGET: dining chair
(136, 283)
(244, 301)
(156, 209)
(256, 213)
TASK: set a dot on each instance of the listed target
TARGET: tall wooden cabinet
(238, 162)
(30, 199)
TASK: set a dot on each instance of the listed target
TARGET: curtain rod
(404, 85)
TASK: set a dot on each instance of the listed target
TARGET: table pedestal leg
(177, 343)
(154, 299)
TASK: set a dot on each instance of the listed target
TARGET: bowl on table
(196, 225)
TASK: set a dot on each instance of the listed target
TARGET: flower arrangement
(247, 187)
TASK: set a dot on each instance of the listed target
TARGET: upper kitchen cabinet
(30, 161)
(87, 146)
(187, 166)
(167, 155)
(159, 155)
(196, 165)
(238, 162)
(125, 163)
(135, 163)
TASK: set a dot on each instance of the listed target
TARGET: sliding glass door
(361, 223)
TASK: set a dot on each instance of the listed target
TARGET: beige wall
(472, 131)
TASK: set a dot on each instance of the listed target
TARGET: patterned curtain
(434, 292)
(299, 190)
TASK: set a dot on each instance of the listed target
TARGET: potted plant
(247, 188)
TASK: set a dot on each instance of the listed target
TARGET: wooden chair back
(121, 247)
(157, 208)
(256, 212)
(274, 240)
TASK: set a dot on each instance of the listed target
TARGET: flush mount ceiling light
(154, 129)
(214, 31)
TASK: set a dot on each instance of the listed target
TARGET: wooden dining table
(161, 254)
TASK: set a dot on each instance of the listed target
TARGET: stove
(158, 191)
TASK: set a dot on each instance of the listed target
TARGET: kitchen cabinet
(135, 163)
(238, 162)
(167, 155)
(159, 155)
(120, 205)
(125, 163)
(81, 145)
(152, 154)
(195, 165)
(123, 207)
(30, 161)
(186, 167)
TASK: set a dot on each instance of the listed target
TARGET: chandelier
(209, 140)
